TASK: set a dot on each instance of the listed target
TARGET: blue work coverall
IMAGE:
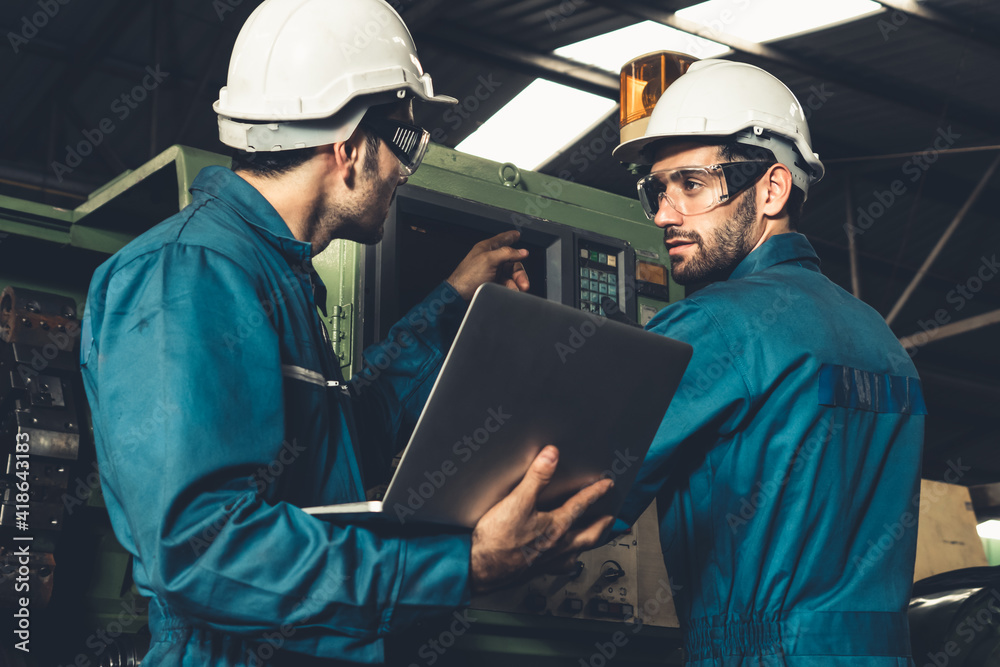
(786, 471)
(219, 411)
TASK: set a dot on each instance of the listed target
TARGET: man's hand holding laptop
(515, 539)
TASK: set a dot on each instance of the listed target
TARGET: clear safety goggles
(407, 142)
(693, 190)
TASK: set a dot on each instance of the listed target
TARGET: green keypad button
(593, 274)
(594, 255)
(612, 279)
(604, 278)
(613, 290)
(603, 288)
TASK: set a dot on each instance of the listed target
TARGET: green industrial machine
(586, 246)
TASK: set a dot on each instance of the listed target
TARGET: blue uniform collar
(779, 249)
(251, 205)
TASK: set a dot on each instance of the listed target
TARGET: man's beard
(359, 224)
(728, 246)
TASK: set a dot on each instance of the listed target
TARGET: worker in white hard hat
(786, 470)
(218, 406)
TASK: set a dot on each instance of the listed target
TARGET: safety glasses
(693, 190)
(407, 142)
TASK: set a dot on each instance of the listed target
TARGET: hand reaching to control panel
(514, 539)
(491, 261)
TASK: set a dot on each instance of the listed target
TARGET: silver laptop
(524, 372)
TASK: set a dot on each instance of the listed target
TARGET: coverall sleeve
(712, 400)
(183, 420)
(397, 375)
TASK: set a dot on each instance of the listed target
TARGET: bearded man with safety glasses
(211, 319)
(793, 443)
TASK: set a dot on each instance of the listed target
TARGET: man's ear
(344, 158)
(777, 187)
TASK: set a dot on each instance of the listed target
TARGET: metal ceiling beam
(936, 250)
(77, 124)
(837, 72)
(420, 13)
(544, 65)
(943, 21)
(125, 69)
(852, 244)
(921, 338)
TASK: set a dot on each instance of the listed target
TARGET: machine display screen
(434, 248)
(427, 234)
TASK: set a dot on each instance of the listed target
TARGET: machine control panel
(622, 581)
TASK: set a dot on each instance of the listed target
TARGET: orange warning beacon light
(643, 80)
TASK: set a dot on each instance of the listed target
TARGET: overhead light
(989, 529)
(516, 134)
(768, 20)
(613, 49)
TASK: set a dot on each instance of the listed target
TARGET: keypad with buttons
(598, 277)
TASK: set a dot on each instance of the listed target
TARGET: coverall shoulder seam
(178, 244)
(737, 359)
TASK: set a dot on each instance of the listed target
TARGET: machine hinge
(340, 323)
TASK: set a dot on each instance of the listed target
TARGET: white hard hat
(303, 72)
(719, 98)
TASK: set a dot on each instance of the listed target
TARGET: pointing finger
(505, 254)
(503, 239)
